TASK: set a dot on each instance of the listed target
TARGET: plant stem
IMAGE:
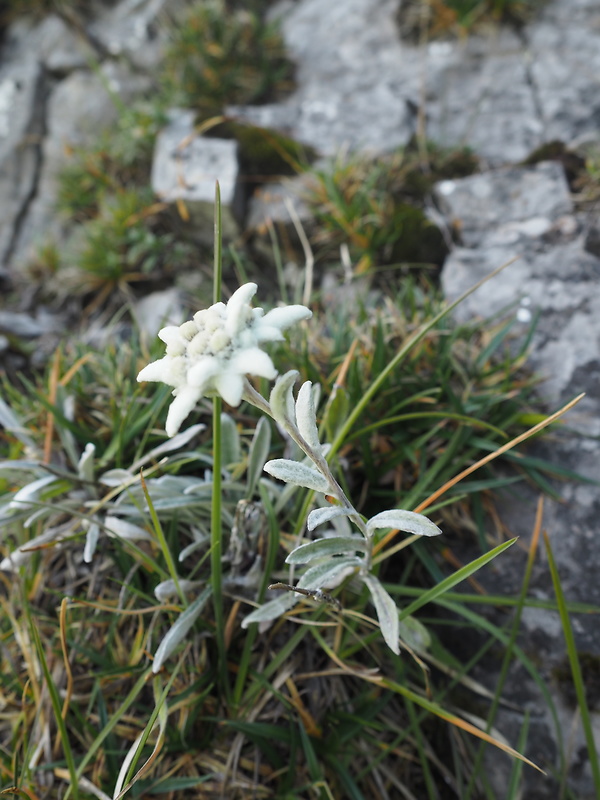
(216, 531)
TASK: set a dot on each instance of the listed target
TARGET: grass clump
(130, 240)
(222, 57)
(121, 159)
(376, 206)
(434, 18)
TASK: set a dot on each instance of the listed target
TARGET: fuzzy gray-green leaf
(272, 610)
(180, 629)
(230, 441)
(281, 399)
(306, 418)
(387, 613)
(259, 451)
(334, 546)
(320, 515)
(408, 521)
(297, 474)
(330, 573)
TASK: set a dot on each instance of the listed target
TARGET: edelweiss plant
(211, 355)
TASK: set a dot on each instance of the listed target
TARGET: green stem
(218, 259)
(216, 528)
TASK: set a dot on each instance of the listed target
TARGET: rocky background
(360, 85)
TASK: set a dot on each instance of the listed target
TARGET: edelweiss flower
(211, 353)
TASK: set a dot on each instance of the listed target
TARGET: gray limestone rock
(136, 30)
(56, 45)
(592, 238)
(272, 202)
(187, 166)
(360, 86)
(354, 88)
(478, 93)
(156, 310)
(532, 197)
(22, 100)
(76, 110)
(564, 47)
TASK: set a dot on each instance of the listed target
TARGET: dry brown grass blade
(490, 457)
(21, 791)
(230, 624)
(66, 378)
(309, 722)
(537, 528)
(447, 716)
(53, 385)
(136, 612)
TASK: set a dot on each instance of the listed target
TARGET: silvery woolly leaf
(13, 466)
(281, 399)
(165, 590)
(387, 613)
(415, 634)
(306, 415)
(272, 610)
(91, 540)
(116, 477)
(196, 545)
(230, 441)
(180, 629)
(23, 553)
(12, 423)
(320, 515)
(177, 441)
(330, 572)
(334, 546)
(259, 450)
(31, 492)
(85, 467)
(297, 474)
(408, 521)
(115, 526)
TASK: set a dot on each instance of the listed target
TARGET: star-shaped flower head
(211, 353)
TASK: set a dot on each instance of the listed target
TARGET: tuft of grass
(127, 242)
(120, 160)
(434, 18)
(376, 206)
(222, 57)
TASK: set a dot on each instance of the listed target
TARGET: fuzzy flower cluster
(212, 353)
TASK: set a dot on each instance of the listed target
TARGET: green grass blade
(216, 517)
(162, 542)
(575, 667)
(460, 575)
(93, 749)
(55, 700)
(445, 415)
(509, 653)
(512, 792)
